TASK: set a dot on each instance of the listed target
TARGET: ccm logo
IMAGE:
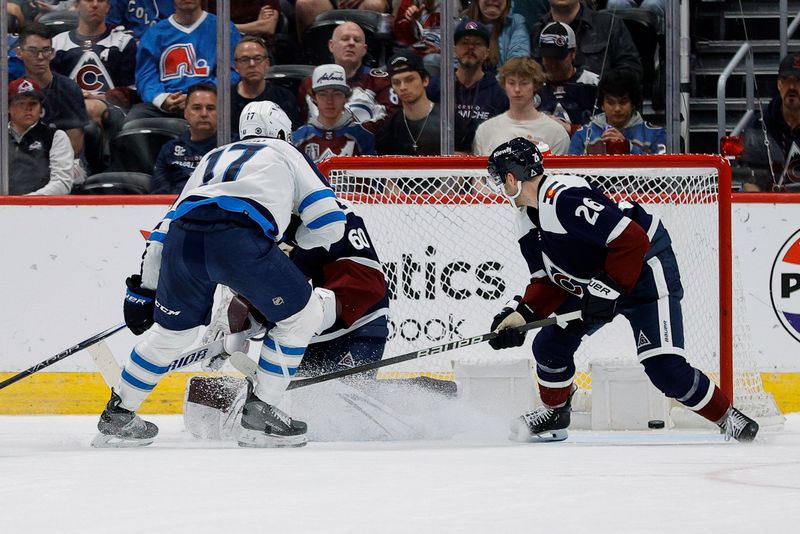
(166, 310)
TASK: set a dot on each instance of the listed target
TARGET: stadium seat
(646, 33)
(115, 183)
(289, 76)
(60, 21)
(136, 150)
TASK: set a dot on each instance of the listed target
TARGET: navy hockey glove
(599, 305)
(140, 303)
(505, 323)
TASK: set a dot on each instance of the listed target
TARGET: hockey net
(449, 251)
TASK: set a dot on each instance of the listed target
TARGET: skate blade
(104, 441)
(522, 434)
(260, 440)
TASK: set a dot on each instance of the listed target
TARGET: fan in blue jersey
(587, 253)
(223, 229)
(138, 15)
(175, 54)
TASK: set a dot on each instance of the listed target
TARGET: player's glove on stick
(599, 305)
(140, 303)
(505, 323)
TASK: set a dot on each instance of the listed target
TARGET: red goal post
(693, 179)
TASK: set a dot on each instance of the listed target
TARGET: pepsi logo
(785, 285)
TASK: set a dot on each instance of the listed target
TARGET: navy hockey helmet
(520, 157)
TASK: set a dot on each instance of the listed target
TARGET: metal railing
(744, 52)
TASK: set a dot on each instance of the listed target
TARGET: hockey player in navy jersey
(223, 229)
(586, 252)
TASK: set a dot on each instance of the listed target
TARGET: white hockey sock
(276, 367)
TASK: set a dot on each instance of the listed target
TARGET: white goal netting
(449, 251)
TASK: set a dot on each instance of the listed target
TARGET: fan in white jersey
(223, 230)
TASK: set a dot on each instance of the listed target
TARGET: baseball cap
(556, 40)
(330, 76)
(790, 66)
(24, 87)
(405, 62)
(468, 26)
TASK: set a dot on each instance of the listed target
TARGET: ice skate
(264, 425)
(543, 423)
(738, 426)
(122, 428)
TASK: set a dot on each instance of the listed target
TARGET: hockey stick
(86, 343)
(248, 367)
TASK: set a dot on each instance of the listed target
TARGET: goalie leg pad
(212, 406)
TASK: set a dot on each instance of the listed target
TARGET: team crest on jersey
(378, 73)
(181, 60)
(563, 280)
(91, 75)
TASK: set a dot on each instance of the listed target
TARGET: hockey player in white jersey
(223, 229)
(587, 253)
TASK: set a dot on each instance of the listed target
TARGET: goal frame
(724, 195)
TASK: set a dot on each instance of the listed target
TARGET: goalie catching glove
(140, 303)
(599, 304)
(506, 323)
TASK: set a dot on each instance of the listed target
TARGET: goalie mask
(521, 158)
(265, 119)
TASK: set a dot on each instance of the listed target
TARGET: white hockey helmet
(265, 119)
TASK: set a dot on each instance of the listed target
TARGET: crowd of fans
(562, 73)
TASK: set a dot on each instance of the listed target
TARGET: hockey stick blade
(247, 366)
(86, 343)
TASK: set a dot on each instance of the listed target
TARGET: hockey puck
(655, 423)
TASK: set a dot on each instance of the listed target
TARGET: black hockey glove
(599, 305)
(140, 303)
(510, 317)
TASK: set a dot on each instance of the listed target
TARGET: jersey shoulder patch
(554, 189)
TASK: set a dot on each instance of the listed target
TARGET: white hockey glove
(329, 308)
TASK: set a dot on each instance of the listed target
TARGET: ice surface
(51, 482)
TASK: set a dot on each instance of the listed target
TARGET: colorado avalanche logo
(180, 60)
(785, 285)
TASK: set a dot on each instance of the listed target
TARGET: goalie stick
(86, 343)
(247, 366)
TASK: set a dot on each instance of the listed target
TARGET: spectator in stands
(604, 42)
(334, 131)
(531, 11)
(66, 109)
(412, 15)
(251, 61)
(569, 94)
(138, 15)
(307, 10)
(509, 35)
(40, 158)
(782, 125)
(619, 129)
(373, 99)
(101, 60)
(178, 158)
(175, 54)
(253, 17)
(15, 12)
(520, 78)
(478, 96)
(414, 130)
